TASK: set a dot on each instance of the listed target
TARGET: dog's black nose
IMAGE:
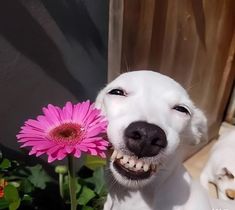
(145, 139)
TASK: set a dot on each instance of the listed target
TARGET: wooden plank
(158, 34)
(230, 115)
(229, 75)
(115, 38)
(137, 34)
(144, 34)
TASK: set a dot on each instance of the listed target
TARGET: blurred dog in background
(220, 168)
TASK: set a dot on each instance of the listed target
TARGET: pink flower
(70, 130)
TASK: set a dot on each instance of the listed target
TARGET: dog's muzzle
(142, 139)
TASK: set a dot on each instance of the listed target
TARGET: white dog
(220, 168)
(150, 115)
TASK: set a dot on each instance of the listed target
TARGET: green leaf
(98, 203)
(38, 176)
(3, 203)
(98, 180)
(78, 187)
(5, 164)
(94, 162)
(12, 197)
(26, 186)
(85, 196)
(87, 208)
(15, 184)
(14, 205)
(10, 193)
(27, 197)
(66, 188)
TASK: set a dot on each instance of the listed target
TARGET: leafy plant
(11, 197)
(27, 185)
(90, 189)
(21, 182)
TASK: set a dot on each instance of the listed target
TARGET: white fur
(222, 159)
(150, 97)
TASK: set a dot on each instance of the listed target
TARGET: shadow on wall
(27, 36)
(83, 30)
(39, 62)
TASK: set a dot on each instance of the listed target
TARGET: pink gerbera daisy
(70, 130)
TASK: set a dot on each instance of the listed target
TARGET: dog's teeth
(131, 163)
(125, 159)
(114, 155)
(146, 167)
(119, 155)
(139, 164)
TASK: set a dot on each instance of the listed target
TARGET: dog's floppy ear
(198, 126)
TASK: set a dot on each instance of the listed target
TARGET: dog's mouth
(131, 167)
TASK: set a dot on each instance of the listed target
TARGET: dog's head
(148, 113)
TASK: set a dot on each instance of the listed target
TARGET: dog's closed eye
(117, 91)
(182, 109)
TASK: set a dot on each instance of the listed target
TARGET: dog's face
(148, 113)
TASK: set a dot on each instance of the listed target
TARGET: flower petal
(35, 124)
(83, 109)
(82, 148)
(32, 152)
(51, 159)
(52, 114)
(61, 155)
(39, 153)
(31, 143)
(67, 112)
(78, 153)
(90, 145)
(92, 151)
(43, 120)
(54, 150)
(94, 132)
(25, 139)
(69, 149)
(102, 147)
(102, 154)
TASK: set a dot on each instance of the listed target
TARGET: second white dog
(220, 168)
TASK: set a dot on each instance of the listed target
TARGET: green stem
(61, 177)
(72, 183)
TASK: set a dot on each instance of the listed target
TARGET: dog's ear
(99, 102)
(198, 126)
